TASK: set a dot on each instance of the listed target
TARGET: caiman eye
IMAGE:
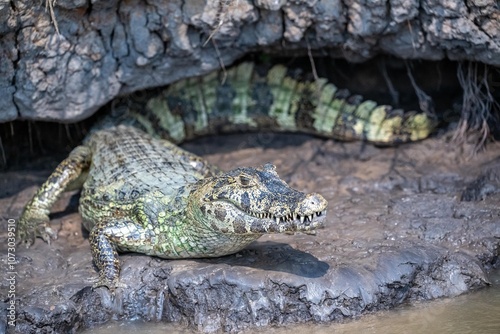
(246, 181)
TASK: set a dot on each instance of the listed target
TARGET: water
(477, 313)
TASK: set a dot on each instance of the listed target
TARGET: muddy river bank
(471, 313)
(405, 225)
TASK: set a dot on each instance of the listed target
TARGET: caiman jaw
(256, 201)
(304, 219)
(306, 215)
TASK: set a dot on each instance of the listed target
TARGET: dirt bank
(397, 231)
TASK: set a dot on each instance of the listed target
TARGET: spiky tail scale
(247, 98)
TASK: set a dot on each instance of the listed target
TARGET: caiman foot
(111, 285)
(32, 226)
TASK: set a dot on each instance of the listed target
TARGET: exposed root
(313, 68)
(49, 6)
(224, 7)
(425, 102)
(30, 138)
(2, 151)
(478, 105)
(38, 137)
(392, 90)
(311, 60)
(408, 22)
(221, 63)
(5, 132)
(68, 132)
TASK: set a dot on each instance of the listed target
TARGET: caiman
(142, 193)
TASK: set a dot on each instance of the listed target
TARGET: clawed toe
(110, 285)
(47, 233)
(31, 227)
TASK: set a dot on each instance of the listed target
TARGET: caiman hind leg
(108, 237)
(34, 221)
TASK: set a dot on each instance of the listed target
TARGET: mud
(470, 313)
(397, 231)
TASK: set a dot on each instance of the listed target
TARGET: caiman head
(255, 201)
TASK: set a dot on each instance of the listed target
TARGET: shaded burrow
(404, 84)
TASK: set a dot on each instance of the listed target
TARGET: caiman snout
(311, 204)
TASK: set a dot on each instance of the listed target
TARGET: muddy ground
(105, 49)
(415, 222)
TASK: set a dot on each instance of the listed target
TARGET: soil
(414, 222)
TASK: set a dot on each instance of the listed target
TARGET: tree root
(479, 108)
(49, 6)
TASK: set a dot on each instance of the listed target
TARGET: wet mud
(405, 224)
(475, 312)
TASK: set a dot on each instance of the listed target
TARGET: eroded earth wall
(108, 48)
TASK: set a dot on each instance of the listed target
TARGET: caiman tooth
(311, 218)
(302, 219)
(277, 220)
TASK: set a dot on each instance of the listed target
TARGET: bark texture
(109, 48)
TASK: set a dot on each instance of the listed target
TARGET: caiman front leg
(34, 221)
(108, 237)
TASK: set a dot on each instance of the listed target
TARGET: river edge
(397, 232)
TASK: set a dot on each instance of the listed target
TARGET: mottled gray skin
(148, 196)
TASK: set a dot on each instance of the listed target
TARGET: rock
(112, 48)
(486, 184)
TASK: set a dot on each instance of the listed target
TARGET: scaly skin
(149, 196)
(253, 99)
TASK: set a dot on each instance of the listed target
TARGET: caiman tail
(250, 98)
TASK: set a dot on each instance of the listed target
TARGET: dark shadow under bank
(383, 79)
